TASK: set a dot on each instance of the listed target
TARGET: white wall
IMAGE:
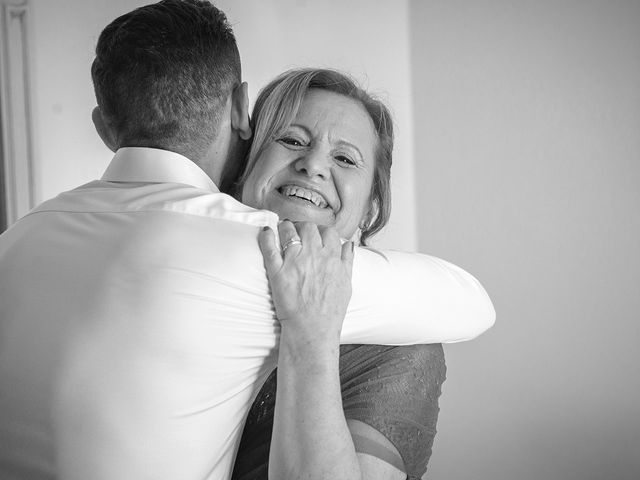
(369, 39)
(68, 152)
(527, 127)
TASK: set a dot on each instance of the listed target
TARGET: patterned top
(393, 389)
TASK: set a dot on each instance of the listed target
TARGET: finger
(288, 233)
(348, 253)
(330, 238)
(309, 234)
(270, 250)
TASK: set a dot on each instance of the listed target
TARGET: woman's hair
(277, 106)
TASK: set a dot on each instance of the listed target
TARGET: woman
(322, 153)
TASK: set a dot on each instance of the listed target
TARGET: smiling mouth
(303, 194)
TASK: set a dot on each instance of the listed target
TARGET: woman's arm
(393, 395)
(311, 285)
(390, 400)
(311, 438)
(379, 458)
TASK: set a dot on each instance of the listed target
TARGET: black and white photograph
(320, 240)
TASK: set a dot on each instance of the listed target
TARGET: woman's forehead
(338, 116)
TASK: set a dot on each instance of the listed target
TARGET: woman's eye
(345, 160)
(291, 141)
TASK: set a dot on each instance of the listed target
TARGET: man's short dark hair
(163, 73)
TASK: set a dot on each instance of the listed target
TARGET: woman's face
(321, 168)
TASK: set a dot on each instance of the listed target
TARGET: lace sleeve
(395, 390)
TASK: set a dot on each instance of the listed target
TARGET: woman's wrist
(305, 347)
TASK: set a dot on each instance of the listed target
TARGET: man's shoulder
(128, 198)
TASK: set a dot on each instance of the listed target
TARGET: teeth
(310, 195)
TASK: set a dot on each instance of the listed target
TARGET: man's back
(107, 295)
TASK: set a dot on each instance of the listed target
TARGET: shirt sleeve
(394, 390)
(430, 301)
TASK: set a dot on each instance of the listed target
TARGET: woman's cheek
(361, 201)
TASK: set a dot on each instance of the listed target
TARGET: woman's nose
(314, 162)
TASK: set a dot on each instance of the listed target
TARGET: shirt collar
(152, 165)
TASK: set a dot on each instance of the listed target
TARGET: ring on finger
(290, 242)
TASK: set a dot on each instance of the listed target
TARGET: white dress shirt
(136, 324)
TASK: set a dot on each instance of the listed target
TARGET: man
(136, 323)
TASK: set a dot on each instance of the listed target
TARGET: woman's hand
(310, 278)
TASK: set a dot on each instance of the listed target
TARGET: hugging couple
(142, 315)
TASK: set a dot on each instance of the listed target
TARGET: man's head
(167, 75)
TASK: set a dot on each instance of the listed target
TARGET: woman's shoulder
(395, 390)
(394, 361)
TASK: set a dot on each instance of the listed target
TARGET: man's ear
(104, 129)
(240, 111)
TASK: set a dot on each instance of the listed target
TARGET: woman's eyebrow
(341, 142)
(301, 127)
(350, 145)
